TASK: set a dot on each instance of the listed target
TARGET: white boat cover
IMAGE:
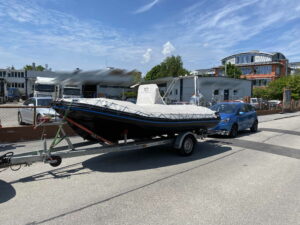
(150, 104)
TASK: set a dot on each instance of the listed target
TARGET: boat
(148, 117)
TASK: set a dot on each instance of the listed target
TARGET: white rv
(46, 87)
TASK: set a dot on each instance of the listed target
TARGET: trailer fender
(179, 139)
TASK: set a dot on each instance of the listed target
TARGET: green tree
(261, 92)
(232, 71)
(171, 67)
(27, 67)
(40, 68)
(153, 73)
(37, 68)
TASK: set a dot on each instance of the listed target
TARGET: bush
(275, 89)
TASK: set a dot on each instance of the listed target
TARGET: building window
(235, 92)
(246, 70)
(263, 69)
(0, 73)
(176, 92)
(4, 73)
(22, 85)
(22, 74)
(252, 58)
(216, 92)
(277, 70)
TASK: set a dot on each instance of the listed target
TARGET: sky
(139, 34)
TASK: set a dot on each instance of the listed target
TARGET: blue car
(235, 116)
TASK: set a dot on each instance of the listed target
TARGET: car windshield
(224, 108)
(44, 87)
(44, 102)
(254, 100)
(71, 91)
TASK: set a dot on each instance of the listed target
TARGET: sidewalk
(278, 116)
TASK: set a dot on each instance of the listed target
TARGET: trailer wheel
(57, 160)
(188, 146)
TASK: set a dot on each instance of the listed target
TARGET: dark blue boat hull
(112, 124)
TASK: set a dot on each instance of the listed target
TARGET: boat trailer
(184, 142)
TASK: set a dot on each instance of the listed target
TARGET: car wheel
(20, 120)
(188, 146)
(38, 119)
(234, 131)
(254, 126)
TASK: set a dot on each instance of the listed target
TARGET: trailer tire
(188, 146)
(57, 159)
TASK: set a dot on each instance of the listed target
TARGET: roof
(254, 52)
(107, 76)
(294, 64)
(252, 64)
(47, 97)
(167, 79)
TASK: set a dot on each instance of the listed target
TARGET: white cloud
(146, 7)
(168, 48)
(59, 33)
(147, 55)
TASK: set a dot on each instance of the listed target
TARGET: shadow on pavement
(149, 158)
(128, 161)
(292, 132)
(9, 147)
(7, 191)
(260, 146)
(59, 173)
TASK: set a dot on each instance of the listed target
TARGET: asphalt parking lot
(9, 117)
(253, 179)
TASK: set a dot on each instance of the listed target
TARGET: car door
(243, 117)
(251, 115)
(24, 111)
(28, 112)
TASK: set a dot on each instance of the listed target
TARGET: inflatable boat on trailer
(108, 121)
(149, 117)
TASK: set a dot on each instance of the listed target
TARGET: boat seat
(148, 94)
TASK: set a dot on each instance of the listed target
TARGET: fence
(22, 123)
(278, 106)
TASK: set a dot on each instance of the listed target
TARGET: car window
(250, 108)
(32, 101)
(244, 108)
(27, 102)
(44, 102)
(224, 108)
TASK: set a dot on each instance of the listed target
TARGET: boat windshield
(224, 108)
(44, 87)
(44, 102)
(71, 91)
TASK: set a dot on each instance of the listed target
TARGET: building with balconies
(261, 67)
